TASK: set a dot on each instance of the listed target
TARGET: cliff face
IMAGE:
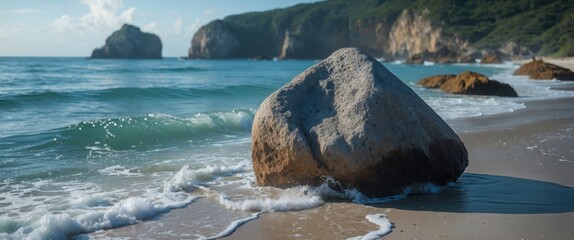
(436, 30)
(214, 40)
(130, 42)
(411, 33)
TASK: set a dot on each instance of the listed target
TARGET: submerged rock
(350, 118)
(539, 69)
(130, 42)
(470, 83)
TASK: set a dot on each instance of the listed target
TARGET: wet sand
(519, 185)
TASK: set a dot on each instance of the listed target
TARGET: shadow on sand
(482, 193)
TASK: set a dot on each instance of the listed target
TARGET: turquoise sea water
(87, 145)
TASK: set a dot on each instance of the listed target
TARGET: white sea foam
(124, 212)
(293, 199)
(384, 227)
(533, 89)
(234, 225)
(455, 107)
(119, 170)
(188, 179)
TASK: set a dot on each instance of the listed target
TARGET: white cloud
(103, 14)
(209, 12)
(24, 11)
(196, 25)
(152, 27)
(177, 26)
(175, 31)
(7, 33)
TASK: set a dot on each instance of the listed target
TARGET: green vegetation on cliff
(544, 26)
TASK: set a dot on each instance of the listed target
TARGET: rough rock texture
(435, 81)
(413, 33)
(489, 59)
(539, 69)
(130, 42)
(215, 40)
(470, 83)
(350, 118)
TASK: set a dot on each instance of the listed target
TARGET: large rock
(350, 118)
(435, 81)
(470, 83)
(130, 42)
(539, 69)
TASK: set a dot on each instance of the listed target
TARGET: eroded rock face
(350, 118)
(130, 42)
(214, 40)
(414, 33)
(539, 69)
(470, 83)
(435, 81)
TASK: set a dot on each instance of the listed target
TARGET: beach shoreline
(507, 153)
(506, 158)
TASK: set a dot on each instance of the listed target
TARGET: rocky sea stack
(131, 43)
(539, 69)
(350, 118)
(470, 83)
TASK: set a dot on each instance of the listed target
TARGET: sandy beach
(519, 185)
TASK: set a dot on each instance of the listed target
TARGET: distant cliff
(435, 29)
(130, 42)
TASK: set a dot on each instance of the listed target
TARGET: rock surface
(490, 59)
(130, 42)
(350, 118)
(435, 81)
(470, 83)
(539, 69)
(213, 41)
(410, 33)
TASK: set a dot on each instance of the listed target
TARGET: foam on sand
(234, 225)
(384, 227)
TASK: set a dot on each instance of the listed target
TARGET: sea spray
(187, 179)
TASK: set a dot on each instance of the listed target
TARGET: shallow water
(96, 144)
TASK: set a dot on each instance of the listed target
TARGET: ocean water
(87, 145)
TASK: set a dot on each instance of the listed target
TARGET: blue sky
(76, 27)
